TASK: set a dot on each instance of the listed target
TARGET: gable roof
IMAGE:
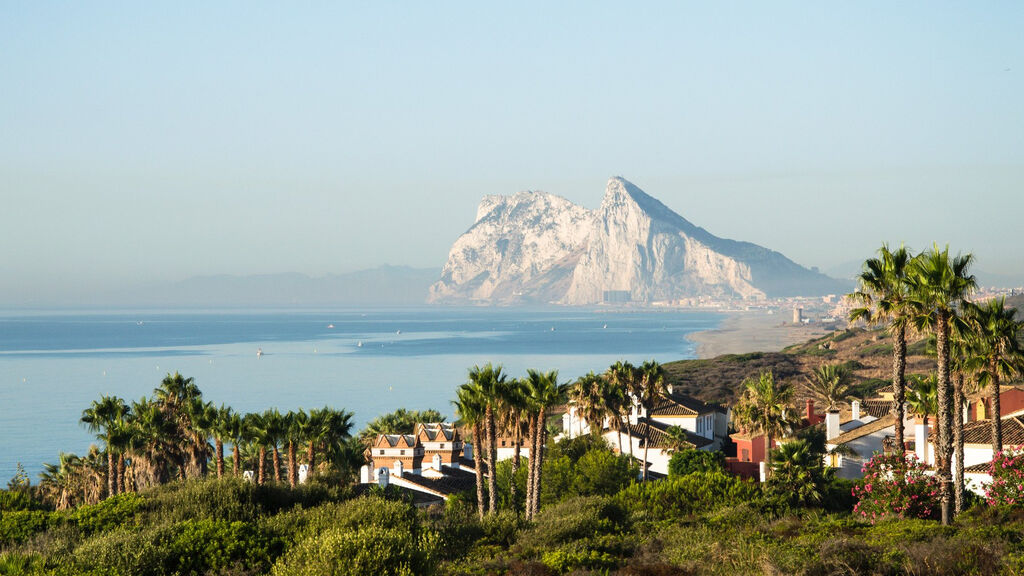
(980, 431)
(395, 441)
(876, 407)
(436, 432)
(888, 421)
(655, 433)
(681, 405)
(453, 481)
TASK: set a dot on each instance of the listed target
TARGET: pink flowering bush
(894, 487)
(1007, 471)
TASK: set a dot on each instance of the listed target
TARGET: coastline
(756, 331)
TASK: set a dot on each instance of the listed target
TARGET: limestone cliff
(540, 248)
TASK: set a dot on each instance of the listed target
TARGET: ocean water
(53, 364)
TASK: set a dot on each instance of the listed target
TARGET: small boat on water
(259, 353)
(359, 344)
(330, 326)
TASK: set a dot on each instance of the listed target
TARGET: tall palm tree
(996, 353)
(102, 417)
(830, 383)
(234, 431)
(544, 393)
(274, 431)
(764, 408)
(513, 404)
(651, 385)
(884, 295)
(257, 427)
(58, 482)
(296, 424)
(470, 410)
(940, 285)
(152, 442)
(489, 380)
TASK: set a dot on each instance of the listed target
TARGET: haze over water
(53, 364)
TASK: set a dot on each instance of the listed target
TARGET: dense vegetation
(595, 519)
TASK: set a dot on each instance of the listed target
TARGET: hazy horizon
(144, 144)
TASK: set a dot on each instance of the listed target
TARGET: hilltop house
(705, 427)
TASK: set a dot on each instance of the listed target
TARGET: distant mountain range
(385, 285)
(535, 247)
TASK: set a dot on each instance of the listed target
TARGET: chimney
(921, 439)
(832, 425)
(810, 411)
(855, 410)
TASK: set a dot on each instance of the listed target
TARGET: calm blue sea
(53, 364)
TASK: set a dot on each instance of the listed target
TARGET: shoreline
(756, 331)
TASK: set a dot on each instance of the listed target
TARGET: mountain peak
(541, 248)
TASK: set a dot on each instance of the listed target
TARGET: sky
(146, 142)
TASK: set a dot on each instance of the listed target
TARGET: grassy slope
(868, 352)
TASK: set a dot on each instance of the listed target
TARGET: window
(401, 452)
(381, 452)
(746, 455)
(442, 446)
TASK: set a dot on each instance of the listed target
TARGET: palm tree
(922, 396)
(996, 353)
(274, 432)
(234, 431)
(296, 424)
(489, 380)
(544, 393)
(257, 425)
(623, 376)
(764, 408)
(513, 404)
(940, 285)
(589, 397)
(102, 418)
(884, 292)
(677, 439)
(651, 385)
(831, 384)
(470, 410)
(58, 482)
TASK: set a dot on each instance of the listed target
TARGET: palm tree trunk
(120, 473)
(311, 454)
(538, 482)
(531, 445)
(220, 457)
(515, 464)
(944, 418)
(997, 416)
(767, 455)
(236, 457)
(478, 462)
(277, 464)
(291, 464)
(899, 385)
(260, 475)
(618, 430)
(111, 473)
(492, 476)
(958, 441)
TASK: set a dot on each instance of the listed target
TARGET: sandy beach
(757, 331)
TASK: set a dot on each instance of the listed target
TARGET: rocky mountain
(535, 247)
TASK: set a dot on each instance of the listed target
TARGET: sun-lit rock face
(535, 247)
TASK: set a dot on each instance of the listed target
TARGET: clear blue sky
(145, 143)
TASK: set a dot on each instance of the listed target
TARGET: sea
(53, 364)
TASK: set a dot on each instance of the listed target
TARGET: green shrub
(601, 472)
(573, 519)
(114, 512)
(19, 525)
(197, 547)
(366, 535)
(690, 461)
(20, 499)
(680, 496)
(120, 553)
